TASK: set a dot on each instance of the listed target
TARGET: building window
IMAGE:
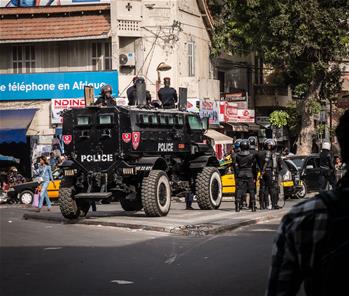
(23, 59)
(191, 59)
(101, 56)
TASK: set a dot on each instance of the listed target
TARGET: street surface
(40, 258)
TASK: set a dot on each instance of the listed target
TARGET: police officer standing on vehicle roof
(106, 98)
(327, 169)
(270, 164)
(168, 95)
(132, 92)
(245, 173)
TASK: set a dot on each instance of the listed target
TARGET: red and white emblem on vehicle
(136, 139)
(126, 137)
(67, 139)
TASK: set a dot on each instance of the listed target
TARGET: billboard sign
(210, 109)
(58, 85)
(58, 105)
(193, 105)
(36, 3)
(236, 96)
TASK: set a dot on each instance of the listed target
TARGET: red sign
(126, 137)
(67, 139)
(136, 139)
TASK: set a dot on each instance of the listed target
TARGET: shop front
(30, 108)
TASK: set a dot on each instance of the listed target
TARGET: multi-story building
(51, 51)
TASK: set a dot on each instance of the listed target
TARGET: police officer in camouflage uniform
(245, 175)
(168, 95)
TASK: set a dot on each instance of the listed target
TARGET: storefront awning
(218, 138)
(14, 124)
(237, 127)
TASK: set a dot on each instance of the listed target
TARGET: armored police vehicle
(139, 156)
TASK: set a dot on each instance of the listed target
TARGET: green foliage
(279, 118)
(300, 39)
(313, 106)
(321, 128)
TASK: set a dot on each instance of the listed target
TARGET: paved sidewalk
(178, 221)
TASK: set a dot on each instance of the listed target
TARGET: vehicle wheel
(156, 194)
(67, 203)
(134, 204)
(302, 192)
(208, 189)
(26, 197)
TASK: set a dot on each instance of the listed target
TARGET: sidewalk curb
(203, 229)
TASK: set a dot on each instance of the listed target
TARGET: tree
(302, 40)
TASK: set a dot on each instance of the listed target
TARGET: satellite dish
(123, 59)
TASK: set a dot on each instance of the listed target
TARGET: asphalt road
(39, 258)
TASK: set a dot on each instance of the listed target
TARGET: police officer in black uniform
(132, 92)
(327, 169)
(168, 95)
(245, 175)
(106, 98)
(270, 165)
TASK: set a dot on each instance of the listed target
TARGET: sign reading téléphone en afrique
(58, 85)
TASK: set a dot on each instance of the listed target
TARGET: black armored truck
(140, 156)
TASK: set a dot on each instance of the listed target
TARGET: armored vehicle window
(194, 123)
(105, 119)
(144, 118)
(162, 119)
(170, 120)
(154, 119)
(179, 120)
(83, 120)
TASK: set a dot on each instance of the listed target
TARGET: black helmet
(269, 143)
(156, 103)
(244, 145)
(252, 141)
(106, 88)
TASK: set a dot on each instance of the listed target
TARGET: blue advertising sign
(58, 85)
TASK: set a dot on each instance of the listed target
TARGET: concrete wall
(159, 41)
(54, 56)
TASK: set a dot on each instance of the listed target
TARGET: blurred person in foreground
(312, 243)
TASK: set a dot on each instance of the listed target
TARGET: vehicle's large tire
(208, 189)
(303, 192)
(156, 194)
(26, 197)
(131, 204)
(67, 204)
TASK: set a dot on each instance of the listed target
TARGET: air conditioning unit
(127, 59)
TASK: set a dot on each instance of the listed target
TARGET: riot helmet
(237, 144)
(269, 144)
(326, 146)
(253, 142)
(244, 145)
(106, 89)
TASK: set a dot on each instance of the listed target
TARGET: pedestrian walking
(53, 161)
(312, 243)
(245, 175)
(327, 169)
(46, 177)
(270, 164)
